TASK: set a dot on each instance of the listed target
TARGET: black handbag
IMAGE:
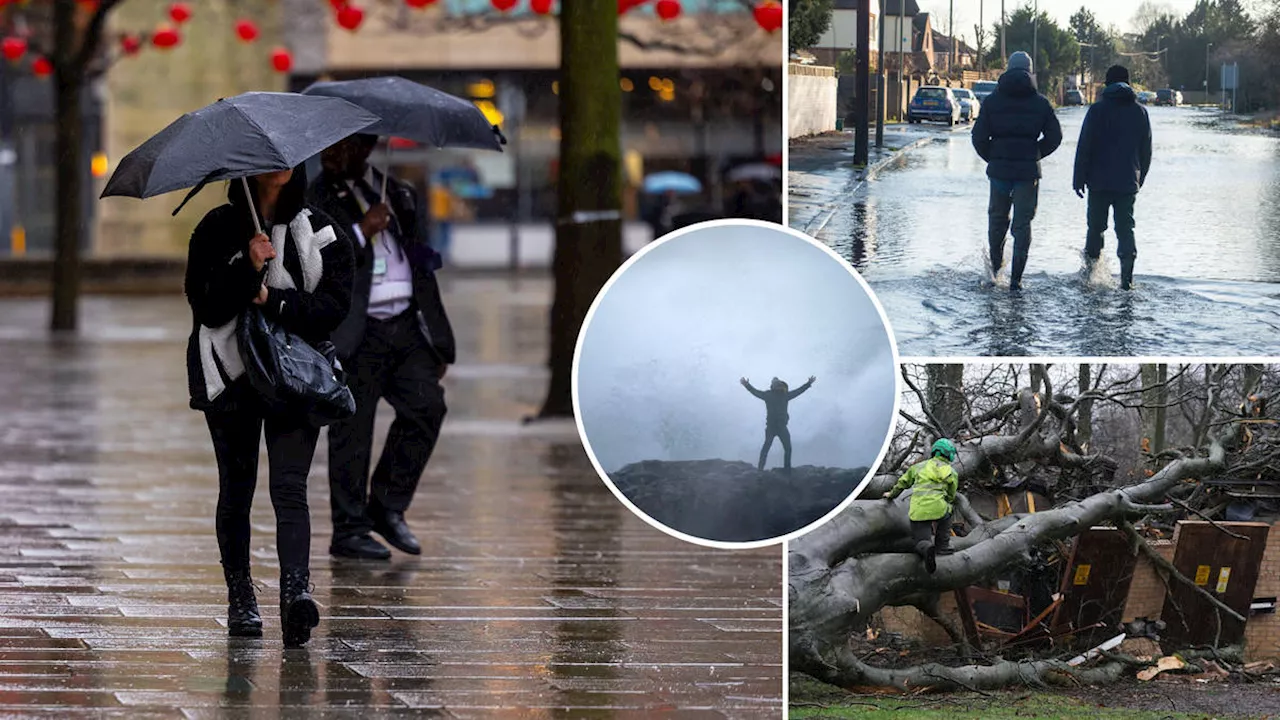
(290, 375)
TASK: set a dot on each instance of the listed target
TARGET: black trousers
(394, 362)
(932, 533)
(784, 436)
(291, 444)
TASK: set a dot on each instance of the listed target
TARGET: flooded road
(1208, 267)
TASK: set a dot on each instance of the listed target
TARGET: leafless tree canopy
(1135, 447)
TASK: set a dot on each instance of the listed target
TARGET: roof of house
(942, 43)
(891, 7)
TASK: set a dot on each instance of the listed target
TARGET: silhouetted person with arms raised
(775, 424)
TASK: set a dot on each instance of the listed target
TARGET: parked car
(1168, 96)
(983, 88)
(1146, 97)
(1073, 97)
(969, 105)
(933, 102)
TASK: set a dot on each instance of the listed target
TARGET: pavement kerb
(859, 178)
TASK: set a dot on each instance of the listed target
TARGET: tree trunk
(1152, 412)
(946, 399)
(68, 79)
(1084, 420)
(589, 227)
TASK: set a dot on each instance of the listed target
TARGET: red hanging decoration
(165, 37)
(626, 5)
(281, 60)
(768, 16)
(504, 5)
(130, 44)
(399, 143)
(542, 7)
(350, 17)
(42, 67)
(419, 4)
(180, 12)
(246, 30)
(13, 48)
(668, 9)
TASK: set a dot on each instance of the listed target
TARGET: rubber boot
(298, 611)
(1126, 273)
(243, 619)
(1015, 272)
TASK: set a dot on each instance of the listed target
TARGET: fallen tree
(860, 562)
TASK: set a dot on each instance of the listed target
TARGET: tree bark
(68, 80)
(1084, 419)
(589, 227)
(946, 399)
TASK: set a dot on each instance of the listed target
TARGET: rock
(731, 501)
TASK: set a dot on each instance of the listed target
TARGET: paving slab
(537, 594)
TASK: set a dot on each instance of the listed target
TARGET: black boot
(1015, 272)
(243, 619)
(1126, 273)
(298, 612)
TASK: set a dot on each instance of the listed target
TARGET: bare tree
(846, 571)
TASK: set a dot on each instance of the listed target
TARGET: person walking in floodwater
(1112, 161)
(776, 417)
(1016, 129)
(933, 484)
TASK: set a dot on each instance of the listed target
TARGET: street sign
(1230, 76)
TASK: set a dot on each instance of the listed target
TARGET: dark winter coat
(1016, 129)
(1114, 153)
(775, 404)
(221, 283)
(334, 196)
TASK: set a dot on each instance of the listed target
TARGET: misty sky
(1109, 12)
(658, 374)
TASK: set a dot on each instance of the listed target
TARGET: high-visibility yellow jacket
(934, 484)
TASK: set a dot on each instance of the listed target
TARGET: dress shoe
(359, 547)
(392, 527)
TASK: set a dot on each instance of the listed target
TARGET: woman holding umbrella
(265, 247)
(307, 289)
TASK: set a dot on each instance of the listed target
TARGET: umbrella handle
(257, 224)
(386, 171)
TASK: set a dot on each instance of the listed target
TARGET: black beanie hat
(1117, 73)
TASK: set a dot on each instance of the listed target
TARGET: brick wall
(1262, 632)
(1146, 591)
(811, 100)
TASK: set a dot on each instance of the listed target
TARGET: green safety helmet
(945, 448)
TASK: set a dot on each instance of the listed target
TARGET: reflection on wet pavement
(537, 593)
(1208, 267)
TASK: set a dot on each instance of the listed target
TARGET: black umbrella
(235, 137)
(417, 112)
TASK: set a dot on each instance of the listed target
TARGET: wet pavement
(537, 594)
(1208, 233)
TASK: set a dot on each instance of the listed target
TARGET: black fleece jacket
(221, 281)
(1016, 129)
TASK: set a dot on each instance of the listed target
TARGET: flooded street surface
(1208, 235)
(537, 592)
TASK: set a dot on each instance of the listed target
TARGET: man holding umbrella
(397, 341)
(396, 344)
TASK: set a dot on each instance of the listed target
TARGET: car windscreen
(931, 94)
(987, 86)
(1164, 93)
(963, 94)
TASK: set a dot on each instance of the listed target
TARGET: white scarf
(220, 342)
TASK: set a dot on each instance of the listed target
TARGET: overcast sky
(1109, 12)
(658, 375)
